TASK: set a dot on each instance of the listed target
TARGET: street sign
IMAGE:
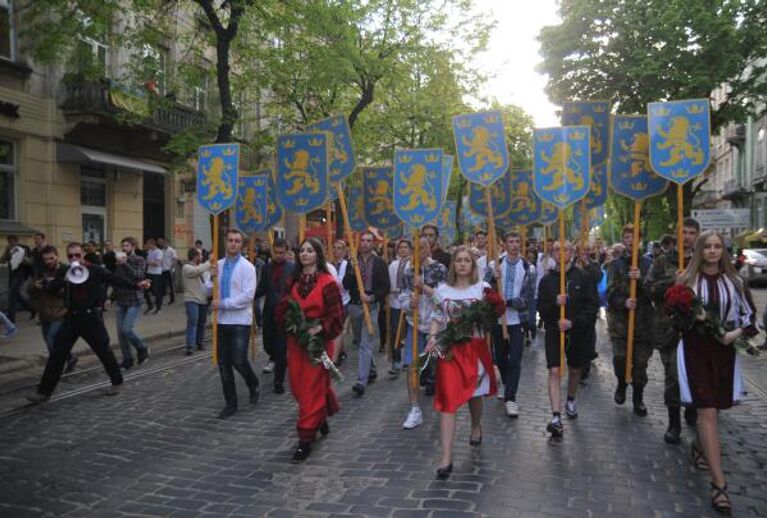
(723, 218)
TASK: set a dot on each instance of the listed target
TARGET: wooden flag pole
(387, 310)
(329, 226)
(270, 238)
(492, 240)
(416, 295)
(679, 223)
(353, 257)
(584, 224)
(214, 262)
(252, 257)
(523, 237)
(633, 292)
(546, 232)
(562, 290)
(301, 228)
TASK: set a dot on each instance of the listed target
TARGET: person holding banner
(432, 274)
(316, 292)
(236, 291)
(511, 276)
(341, 264)
(431, 232)
(660, 278)
(465, 375)
(581, 303)
(375, 280)
(397, 281)
(619, 304)
(480, 242)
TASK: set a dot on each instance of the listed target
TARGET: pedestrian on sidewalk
(660, 278)
(586, 262)
(52, 306)
(341, 264)
(467, 374)
(316, 292)
(275, 283)
(37, 253)
(432, 274)
(196, 274)
(236, 291)
(511, 277)
(710, 377)
(83, 319)
(10, 327)
(154, 258)
(19, 261)
(169, 262)
(619, 277)
(397, 282)
(131, 268)
(375, 280)
(581, 303)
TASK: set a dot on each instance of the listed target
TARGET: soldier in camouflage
(619, 276)
(661, 276)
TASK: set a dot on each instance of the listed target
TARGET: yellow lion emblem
(479, 149)
(557, 165)
(681, 141)
(419, 190)
(639, 152)
(248, 207)
(522, 199)
(216, 179)
(380, 199)
(298, 173)
(596, 136)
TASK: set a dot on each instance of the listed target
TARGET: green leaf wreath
(297, 324)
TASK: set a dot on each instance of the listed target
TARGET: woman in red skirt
(316, 292)
(709, 369)
(466, 375)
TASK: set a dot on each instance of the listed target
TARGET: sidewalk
(27, 349)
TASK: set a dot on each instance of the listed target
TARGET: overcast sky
(513, 55)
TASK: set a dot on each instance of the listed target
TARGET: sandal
(477, 441)
(720, 500)
(698, 458)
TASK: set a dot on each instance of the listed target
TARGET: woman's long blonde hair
(452, 277)
(690, 276)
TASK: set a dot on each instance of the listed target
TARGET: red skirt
(710, 371)
(458, 377)
(312, 389)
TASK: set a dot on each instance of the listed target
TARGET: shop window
(7, 31)
(8, 179)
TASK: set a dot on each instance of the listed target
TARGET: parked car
(755, 268)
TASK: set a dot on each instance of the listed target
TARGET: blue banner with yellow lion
(379, 200)
(252, 203)
(418, 185)
(480, 143)
(679, 138)
(446, 222)
(562, 163)
(631, 174)
(217, 171)
(597, 195)
(595, 115)
(500, 197)
(356, 208)
(273, 209)
(342, 160)
(525, 204)
(302, 171)
(549, 213)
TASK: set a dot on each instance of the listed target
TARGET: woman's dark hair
(192, 253)
(322, 265)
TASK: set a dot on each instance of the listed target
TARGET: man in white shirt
(14, 255)
(169, 260)
(340, 263)
(397, 281)
(236, 291)
(154, 273)
(480, 242)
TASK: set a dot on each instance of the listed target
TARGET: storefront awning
(84, 155)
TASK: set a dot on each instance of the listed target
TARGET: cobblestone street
(158, 450)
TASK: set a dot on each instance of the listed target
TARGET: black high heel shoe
(444, 473)
(324, 429)
(302, 452)
(720, 500)
(477, 441)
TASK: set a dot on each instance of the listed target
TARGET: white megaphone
(77, 273)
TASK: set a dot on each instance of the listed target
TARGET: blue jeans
(508, 358)
(9, 326)
(196, 315)
(126, 319)
(366, 339)
(233, 342)
(50, 329)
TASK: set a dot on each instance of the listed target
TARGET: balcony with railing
(734, 190)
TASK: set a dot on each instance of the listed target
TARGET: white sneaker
(499, 394)
(269, 368)
(414, 418)
(512, 410)
(570, 411)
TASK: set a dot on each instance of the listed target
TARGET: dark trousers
(89, 326)
(508, 358)
(233, 341)
(158, 288)
(167, 285)
(15, 299)
(276, 346)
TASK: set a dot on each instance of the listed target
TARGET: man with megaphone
(82, 285)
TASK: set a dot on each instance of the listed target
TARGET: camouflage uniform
(617, 293)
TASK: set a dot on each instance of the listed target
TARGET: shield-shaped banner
(471, 221)
(446, 222)
(630, 172)
(549, 214)
(525, 204)
(679, 138)
(356, 208)
(500, 197)
(595, 218)
(252, 203)
(273, 209)
(395, 232)
(342, 155)
(302, 171)
(562, 163)
(597, 194)
(379, 202)
(480, 141)
(217, 170)
(595, 115)
(418, 185)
